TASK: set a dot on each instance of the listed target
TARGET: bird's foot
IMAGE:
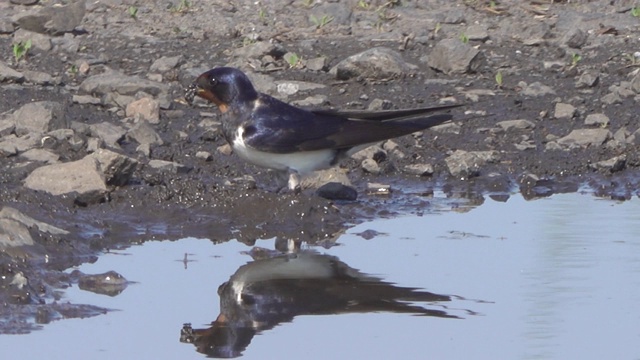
(294, 183)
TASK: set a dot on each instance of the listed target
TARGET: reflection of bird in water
(267, 292)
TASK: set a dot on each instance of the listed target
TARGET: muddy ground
(583, 53)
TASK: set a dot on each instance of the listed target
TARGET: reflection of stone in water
(269, 291)
(109, 283)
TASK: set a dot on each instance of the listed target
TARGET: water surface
(556, 278)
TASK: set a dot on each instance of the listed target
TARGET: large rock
(53, 20)
(90, 175)
(376, 63)
(452, 56)
(112, 84)
(15, 228)
(82, 176)
(40, 117)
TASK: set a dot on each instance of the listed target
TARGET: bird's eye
(213, 81)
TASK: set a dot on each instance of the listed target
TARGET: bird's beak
(195, 89)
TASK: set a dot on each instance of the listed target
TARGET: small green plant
(492, 4)
(292, 59)
(635, 12)
(73, 69)
(20, 49)
(133, 12)
(363, 4)
(322, 21)
(183, 7)
(464, 38)
(499, 78)
(263, 16)
(575, 59)
(308, 3)
(437, 29)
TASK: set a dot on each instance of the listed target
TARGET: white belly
(301, 162)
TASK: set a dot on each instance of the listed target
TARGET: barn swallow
(273, 134)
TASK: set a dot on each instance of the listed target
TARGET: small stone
(337, 191)
(225, 149)
(621, 135)
(204, 155)
(370, 166)
(146, 109)
(452, 56)
(564, 111)
(519, 124)
(597, 120)
(553, 65)
(587, 79)
(611, 98)
(467, 164)
(585, 138)
(612, 165)
(419, 169)
(312, 101)
(317, 64)
(8, 74)
(575, 38)
(375, 63)
(165, 63)
(379, 104)
(535, 89)
(168, 166)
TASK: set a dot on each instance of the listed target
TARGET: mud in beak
(194, 90)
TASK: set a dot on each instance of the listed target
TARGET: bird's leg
(294, 182)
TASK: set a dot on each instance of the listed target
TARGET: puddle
(552, 278)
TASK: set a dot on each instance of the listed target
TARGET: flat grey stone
(8, 74)
(40, 155)
(564, 111)
(588, 79)
(452, 56)
(467, 164)
(597, 120)
(38, 41)
(80, 176)
(290, 87)
(375, 63)
(536, 89)
(169, 166)
(53, 20)
(40, 117)
(585, 138)
(615, 164)
(165, 63)
(419, 169)
(109, 133)
(143, 133)
(112, 84)
(519, 124)
(144, 109)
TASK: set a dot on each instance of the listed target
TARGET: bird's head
(224, 86)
